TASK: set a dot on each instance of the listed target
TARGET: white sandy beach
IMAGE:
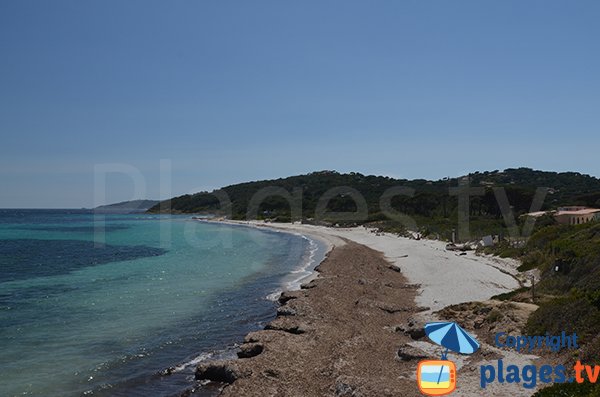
(445, 277)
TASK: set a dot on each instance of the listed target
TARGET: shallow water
(101, 305)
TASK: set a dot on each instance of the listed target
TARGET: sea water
(103, 304)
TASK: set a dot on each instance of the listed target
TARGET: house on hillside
(576, 215)
(573, 215)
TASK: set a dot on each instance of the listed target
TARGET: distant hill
(128, 206)
(313, 186)
(431, 204)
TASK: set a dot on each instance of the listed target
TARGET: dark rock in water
(187, 393)
(286, 311)
(248, 350)
(220, 371)
(409, 353)
(167, 371)
(309, 285)
(289, 295)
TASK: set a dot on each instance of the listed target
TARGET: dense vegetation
(570, 390)
(568, 294)
(569, 260)
(429, 204)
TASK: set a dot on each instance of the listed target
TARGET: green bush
(572, 313)
(533, 259)
(585, 389)
(494, 316)
(510, 295)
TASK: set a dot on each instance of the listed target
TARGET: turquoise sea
(102, 305)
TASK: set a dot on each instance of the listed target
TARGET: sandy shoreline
(330, 337)
(445, 277)
(370, 287)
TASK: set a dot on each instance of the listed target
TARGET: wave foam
(302, 272)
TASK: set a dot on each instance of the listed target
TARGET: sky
(105, 101)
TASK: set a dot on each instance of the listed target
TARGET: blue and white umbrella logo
(451, 336)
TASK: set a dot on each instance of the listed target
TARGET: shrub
(510, 295)
(585, 389)
(572, 313)
(494, 316)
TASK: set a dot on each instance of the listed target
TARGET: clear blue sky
(232, 91)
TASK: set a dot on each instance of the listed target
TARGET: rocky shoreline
(342, 334)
